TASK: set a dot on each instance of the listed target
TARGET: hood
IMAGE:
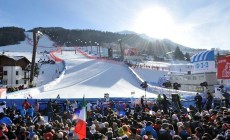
(162, 131)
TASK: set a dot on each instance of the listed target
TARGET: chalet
(14, 71)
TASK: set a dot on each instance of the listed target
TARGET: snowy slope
(24, 48)
(82, 76)
(92, 78)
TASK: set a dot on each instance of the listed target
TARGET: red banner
(131, 51)
(223, 68)
(2, 93)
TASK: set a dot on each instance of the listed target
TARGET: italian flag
(80, 128)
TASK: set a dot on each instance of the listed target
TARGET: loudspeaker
(110, 53)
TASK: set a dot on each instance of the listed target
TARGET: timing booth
(203, 62)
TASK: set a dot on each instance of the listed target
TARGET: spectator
(209, 101)
(150, 129)
(164, 133)
(26, 104)
(134, 134)
(50, 110)
(198, 101)
(165, 104)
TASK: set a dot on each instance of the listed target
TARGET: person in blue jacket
(23, 111)
(30, 111)
(149, 128)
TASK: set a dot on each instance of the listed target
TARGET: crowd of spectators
(25, 122)
(12, 89)
(156, 121)
(144, 120)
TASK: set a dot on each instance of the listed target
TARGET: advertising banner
(130, 51)
(204, 66)
(223, 67)
(2, 93)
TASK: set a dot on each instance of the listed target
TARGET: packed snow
(78, 75)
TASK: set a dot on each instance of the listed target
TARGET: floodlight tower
(36, 36)
(121, 49)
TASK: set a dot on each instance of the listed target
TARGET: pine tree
(178, 54)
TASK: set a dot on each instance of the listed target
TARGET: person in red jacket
(26, 104)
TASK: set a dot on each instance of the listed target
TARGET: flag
(80, 127)
(82, 114)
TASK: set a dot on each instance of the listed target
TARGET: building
(201, 69)
(14, 71)
(192, 81)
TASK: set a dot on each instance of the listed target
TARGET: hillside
(146, 45)
(11, 35)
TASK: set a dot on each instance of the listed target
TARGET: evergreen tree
(178, 54)
(187, 56)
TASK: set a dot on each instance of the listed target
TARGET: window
(4, 82)
(194, 77)
(24, 81)
(24, 74)
(201, 77)
(186, 78)
(5, 73)
(16, 82)
(16, 72)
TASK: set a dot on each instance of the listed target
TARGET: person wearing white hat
(93, 129)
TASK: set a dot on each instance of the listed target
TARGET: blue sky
(194, 23)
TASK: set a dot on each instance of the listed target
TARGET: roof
(16, 58)
(14, 61)
(203, 56)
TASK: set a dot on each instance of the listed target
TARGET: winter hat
(220, 137)
(95, 122)
(198, 114)
(179, 123)
(60, 135)
(31, 128)
(110, 129)
(138, 131)
(149, 123)
(145, 137)
(164, 121)
(106, 124)
(92, 129)
(226, 126)
(174, 117)
(204, 113)
(177, 137)
(22, 129)
(164, 125)
(120, 131)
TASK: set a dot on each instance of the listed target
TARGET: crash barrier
(60, 103)
(98, 58)
(55, 58)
